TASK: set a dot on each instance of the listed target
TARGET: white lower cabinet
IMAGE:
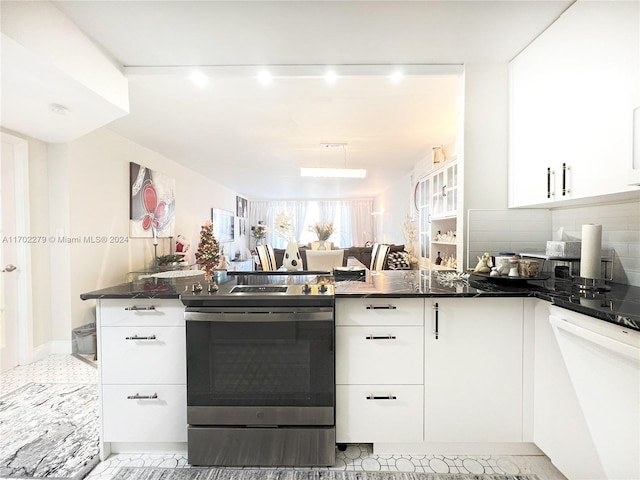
(379, 370)
(143, 377)
(379, 355)
(474, 370)
(135, 353)
(144, 413)
(379, 413)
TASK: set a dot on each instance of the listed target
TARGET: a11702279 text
(64, 239)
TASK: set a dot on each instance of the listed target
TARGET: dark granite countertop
(150, 287)
(620, 304)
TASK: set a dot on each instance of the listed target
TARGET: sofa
(362, 254)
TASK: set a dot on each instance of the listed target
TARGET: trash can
(84, 339)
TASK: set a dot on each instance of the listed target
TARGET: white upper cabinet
(573, 93)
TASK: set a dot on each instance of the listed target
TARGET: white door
(15, 284)
(8, 262)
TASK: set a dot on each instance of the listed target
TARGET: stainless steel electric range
(260, 372)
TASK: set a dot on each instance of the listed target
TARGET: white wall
(98, 198)
(60, 253)
(483, 168)
(40, 253)
(394, 204)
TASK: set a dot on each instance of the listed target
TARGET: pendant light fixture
(334, 172)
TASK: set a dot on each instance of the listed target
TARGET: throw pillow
(398, 261)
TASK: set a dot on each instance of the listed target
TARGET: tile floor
(69, 369)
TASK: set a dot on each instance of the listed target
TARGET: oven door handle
(250, 317)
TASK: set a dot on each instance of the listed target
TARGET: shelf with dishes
(436, 200)
(444, 242)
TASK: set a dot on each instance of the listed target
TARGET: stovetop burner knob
(323, 288)
(306, 289)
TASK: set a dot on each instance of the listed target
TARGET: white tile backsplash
(495, 231)
(527, 230)
(620, 231)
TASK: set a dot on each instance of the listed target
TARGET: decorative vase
(292, 260)
(322, 245)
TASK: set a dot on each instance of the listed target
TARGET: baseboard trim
(55, 347)
(446, 448)
(172, 448)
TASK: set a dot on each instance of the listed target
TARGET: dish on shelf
(542, 276)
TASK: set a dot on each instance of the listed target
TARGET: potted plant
(284, 228)
(323, 231)
(258, 232)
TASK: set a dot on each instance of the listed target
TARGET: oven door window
(260, 363)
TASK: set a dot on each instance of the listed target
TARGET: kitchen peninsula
(619, 305)
(443, 364)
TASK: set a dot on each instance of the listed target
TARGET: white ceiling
(254, 138)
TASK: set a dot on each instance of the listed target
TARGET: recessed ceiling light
(396, 77)
(198, 78)
(330, 77)
(333, 172)
(58, 109)
(264, 77)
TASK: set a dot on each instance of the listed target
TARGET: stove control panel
(321, 288)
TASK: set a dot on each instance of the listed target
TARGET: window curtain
(357, 222)
(352, 220)
(267, 211)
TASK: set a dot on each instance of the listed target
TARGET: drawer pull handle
(436, 310)
(565, 190)
(137, 396)
(550, 172)
(381, 397)
(381, 307)
(381, 337)
(136, 337)
(138, 308)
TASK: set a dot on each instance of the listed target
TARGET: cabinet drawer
(161, 419)
(142, 311)
(131, 355)
(379, 311)
(379, 355)
(362, 419)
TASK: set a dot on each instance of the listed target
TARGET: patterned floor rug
(49, 431)
(249, 474)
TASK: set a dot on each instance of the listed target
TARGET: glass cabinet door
(437, 195)
(452, 189)
(424, 198)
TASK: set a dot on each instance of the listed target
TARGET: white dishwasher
(603, 362)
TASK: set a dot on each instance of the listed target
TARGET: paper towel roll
(591, 251)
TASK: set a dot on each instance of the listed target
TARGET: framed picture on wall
(241, 207)
(223, 225)
(151, 203)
